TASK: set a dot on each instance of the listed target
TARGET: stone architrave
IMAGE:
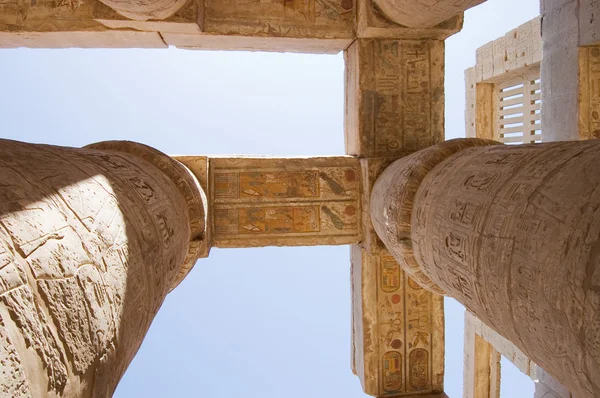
(511, 232)
(91, 241)
(257, 202)
(298, 26)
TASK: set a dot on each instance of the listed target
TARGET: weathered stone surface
(560, 65)
(394, 96)
(91, 241)
(393, 199)
(371, 23)
(503, 88)
(517, 52)
(398, 328)
(547, 386)
(272, 18)
(197, 41)
(481, 370)
(423, 13)
(570, 73)
(512, 233)
(503, 346)
(268, 201)
(313, 26)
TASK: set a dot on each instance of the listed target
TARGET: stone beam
(423, 13)
(571, 70)
(256, 202)
(91, 242)
(292, 26)
(511, 232)
(313, 26)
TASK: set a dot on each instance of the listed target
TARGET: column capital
(393, 197)
(188, 186)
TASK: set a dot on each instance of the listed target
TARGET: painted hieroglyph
(398, 329)
(263, 201)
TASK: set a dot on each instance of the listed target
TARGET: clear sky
(269, 322)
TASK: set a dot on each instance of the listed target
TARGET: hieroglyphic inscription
(518, 51)
(394, 96)
(90, 244)
(407, 321)
(520, 259)
(271, 18)
(262, 201)
(88, 24)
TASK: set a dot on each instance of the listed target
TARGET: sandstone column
(91, 241)
(513, 233)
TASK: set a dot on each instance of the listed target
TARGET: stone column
(513, 233)
(91, 241)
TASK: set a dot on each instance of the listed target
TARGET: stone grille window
(518, 109)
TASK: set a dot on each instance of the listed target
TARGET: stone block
(394, 96)
(284, 202)
(294, 19)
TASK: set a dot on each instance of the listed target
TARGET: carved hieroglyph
(394, 96)
(423, 13)
(394, 104)
(91, 241)
(398, 329)
(297, 25)
(513, 233)
(267, 201)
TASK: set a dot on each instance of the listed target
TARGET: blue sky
(267, 322)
